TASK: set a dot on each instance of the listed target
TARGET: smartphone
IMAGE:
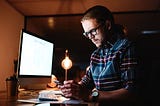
(57, 82)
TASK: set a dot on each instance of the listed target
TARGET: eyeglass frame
(92, 31)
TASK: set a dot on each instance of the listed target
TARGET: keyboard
(50, 95)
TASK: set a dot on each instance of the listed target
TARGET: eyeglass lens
(91, 32)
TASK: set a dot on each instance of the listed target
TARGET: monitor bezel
(20, 50)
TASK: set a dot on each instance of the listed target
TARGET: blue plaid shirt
(112, 67)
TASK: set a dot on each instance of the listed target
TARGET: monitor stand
(35, 87)
(34, 83)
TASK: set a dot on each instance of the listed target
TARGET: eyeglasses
(92, 32)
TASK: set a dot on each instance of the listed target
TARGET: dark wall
(66, 31)
(148, 52)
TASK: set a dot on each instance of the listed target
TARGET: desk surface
(11, 101)
(16, 101)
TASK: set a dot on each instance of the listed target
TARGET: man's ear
(108, 25)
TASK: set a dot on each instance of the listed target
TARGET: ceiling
(54, 7)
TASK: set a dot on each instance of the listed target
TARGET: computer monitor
(35, 60)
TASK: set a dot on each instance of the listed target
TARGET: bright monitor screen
(35, 56)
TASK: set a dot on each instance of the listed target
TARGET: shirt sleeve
(129, 67)
(87, 80)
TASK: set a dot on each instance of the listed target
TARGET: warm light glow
(51, 22)
(66, 63)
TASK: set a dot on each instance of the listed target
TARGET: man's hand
(71, 89)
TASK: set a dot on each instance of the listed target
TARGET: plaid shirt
(112, 68)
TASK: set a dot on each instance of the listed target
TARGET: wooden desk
(12, 101)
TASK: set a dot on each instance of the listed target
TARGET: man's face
(93, 31)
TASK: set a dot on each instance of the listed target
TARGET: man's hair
(100, 13)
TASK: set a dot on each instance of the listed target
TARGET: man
(111, 74)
